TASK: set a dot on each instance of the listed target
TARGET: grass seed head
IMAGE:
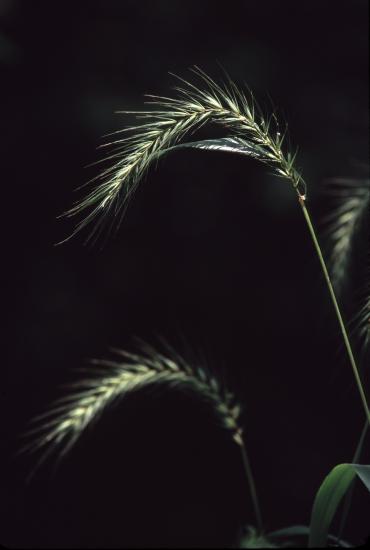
(109, 381)
(137, 147)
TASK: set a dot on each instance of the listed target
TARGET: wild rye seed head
(350, 199)
(360, 323)
(169, 123)
(61, 427)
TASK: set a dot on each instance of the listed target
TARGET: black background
(213, 252)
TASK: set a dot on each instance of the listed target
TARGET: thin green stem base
(252, 486)
(336, 307)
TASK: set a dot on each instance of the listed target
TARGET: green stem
(252, 486)
(336, 307)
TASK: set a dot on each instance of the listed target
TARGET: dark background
(213, 251)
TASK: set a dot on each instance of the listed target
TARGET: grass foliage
(132, 152)
(328, 498)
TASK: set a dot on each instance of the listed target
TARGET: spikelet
(351, 202)
(61, 427)
(360, 323)
(167, 125)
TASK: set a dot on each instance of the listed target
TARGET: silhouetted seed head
(350, 200)
(61, 427)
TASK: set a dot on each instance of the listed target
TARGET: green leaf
(328, 498)
(302, 531)
(228, 144)
(292, 531)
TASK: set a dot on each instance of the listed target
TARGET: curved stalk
(336, 307)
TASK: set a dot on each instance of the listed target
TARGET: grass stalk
(336, 307)
(252, 486)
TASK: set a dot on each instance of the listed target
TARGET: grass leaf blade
(303, 531)
(328, 498)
